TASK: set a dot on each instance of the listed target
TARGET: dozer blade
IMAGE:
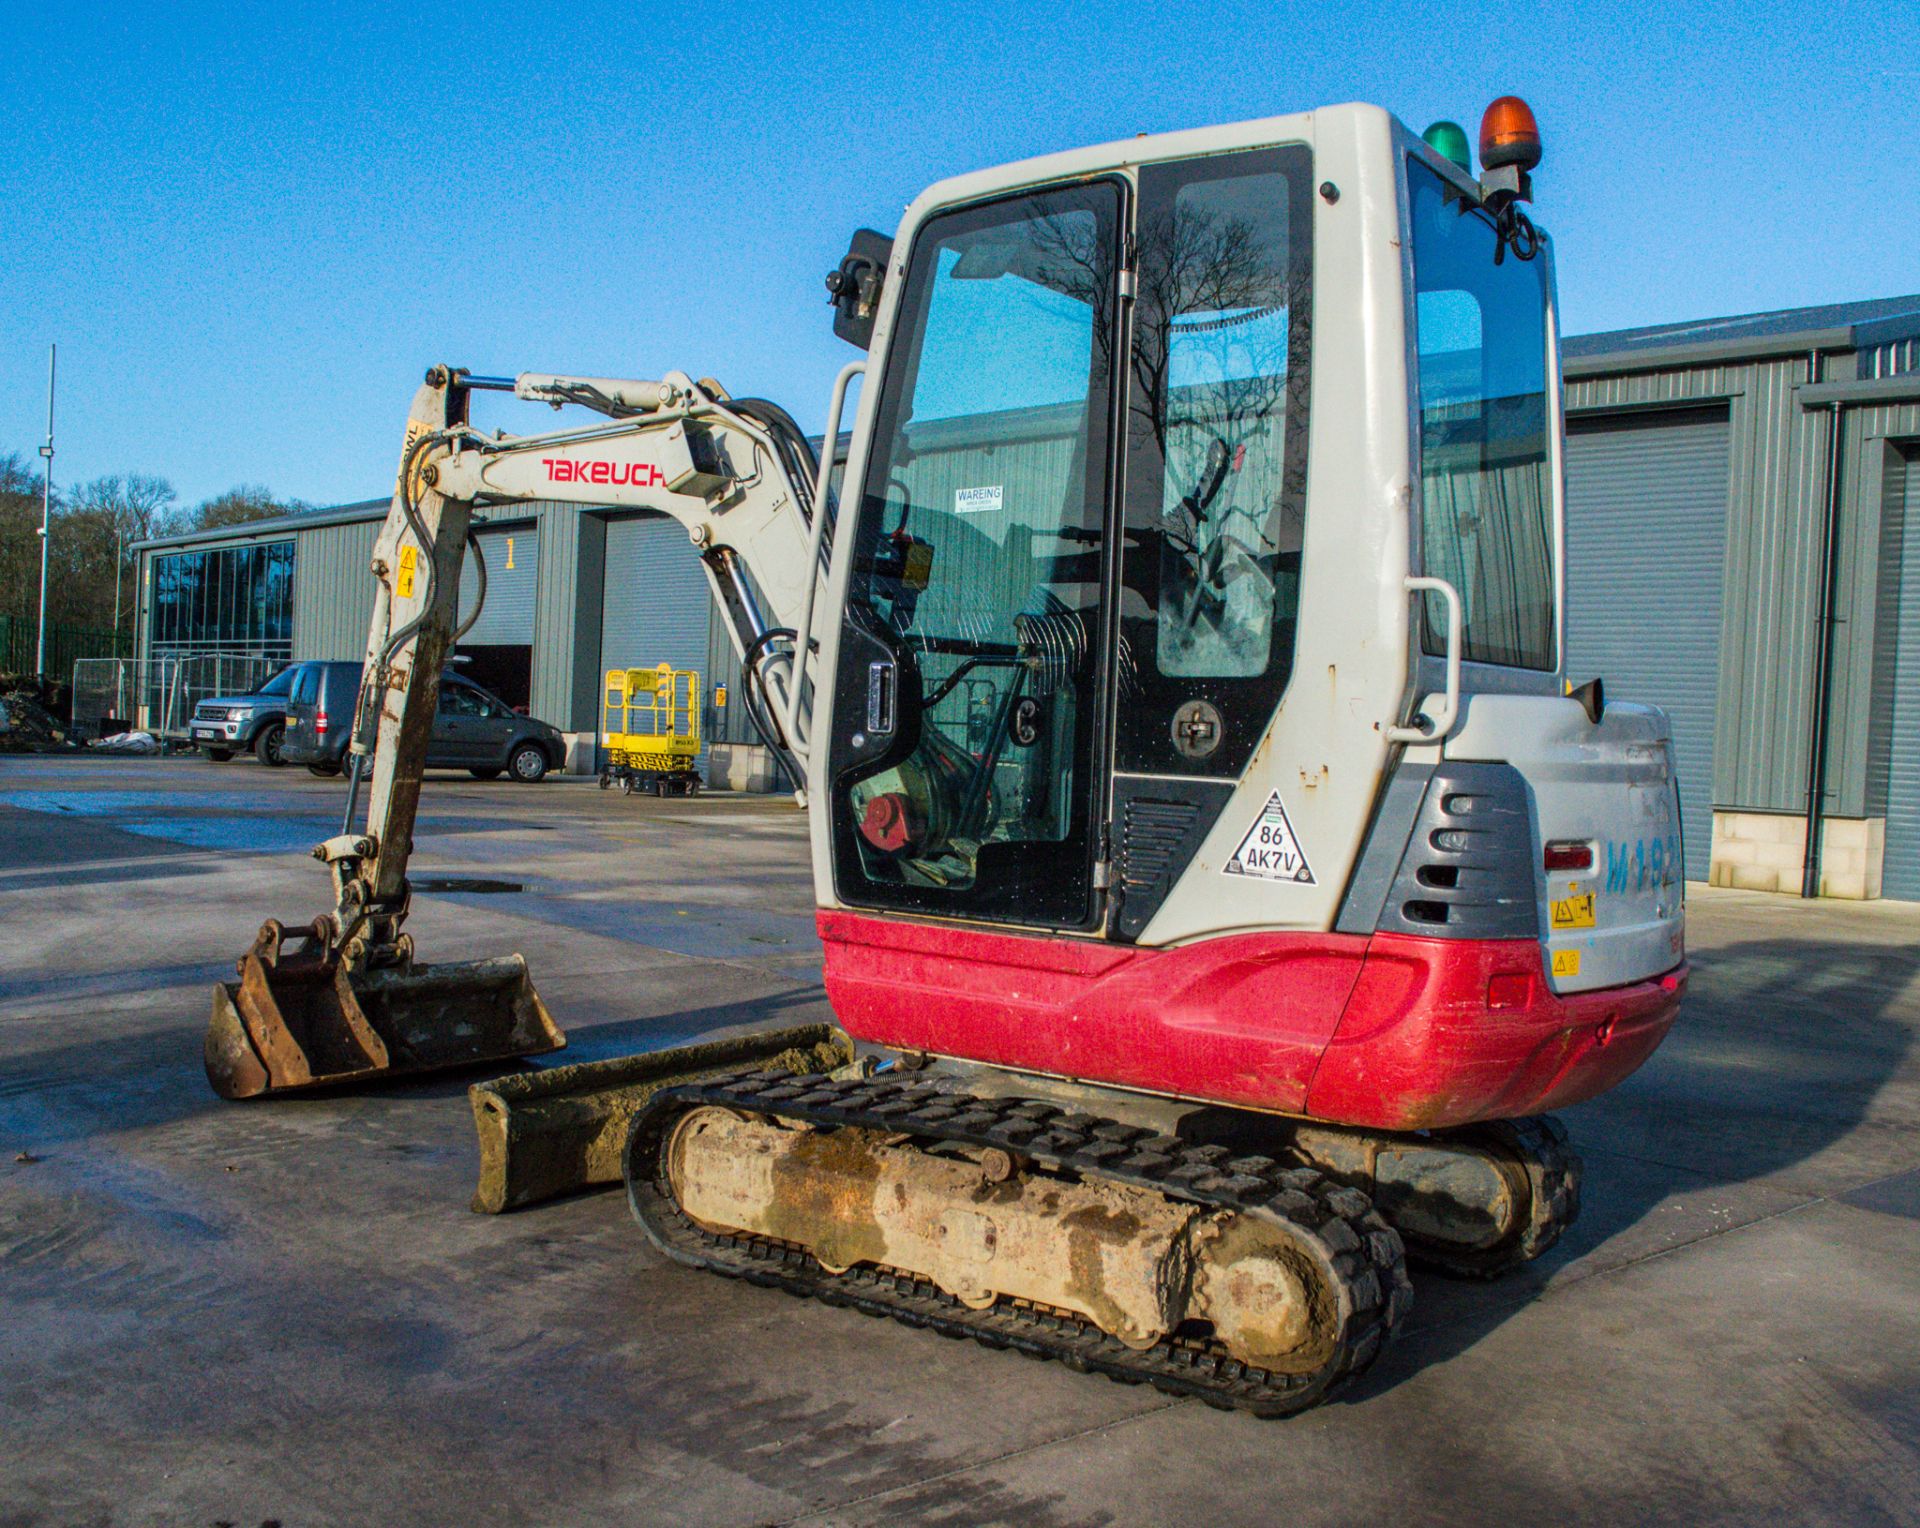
(564, 1128)
(296, 1019)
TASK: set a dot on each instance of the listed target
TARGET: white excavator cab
(1202, 487)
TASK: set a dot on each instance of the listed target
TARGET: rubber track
(1538, 1146)
(1365, 1251)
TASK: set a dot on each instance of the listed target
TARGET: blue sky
(251, 228)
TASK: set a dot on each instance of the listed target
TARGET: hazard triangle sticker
(1270, 850)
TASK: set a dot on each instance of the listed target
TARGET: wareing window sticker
(1271, 851)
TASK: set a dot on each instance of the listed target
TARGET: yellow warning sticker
(720, 695)
(1575, 909)
(409, 561)
(1566, 962)
(509, 553)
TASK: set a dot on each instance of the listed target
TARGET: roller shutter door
(1901, 874)
(1646, 557)
(513, 566)
(655, 604)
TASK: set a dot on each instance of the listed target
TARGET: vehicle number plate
(1574, 910)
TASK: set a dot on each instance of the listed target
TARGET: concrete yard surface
(237, 1313)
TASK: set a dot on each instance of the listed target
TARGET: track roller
(1477, 1201)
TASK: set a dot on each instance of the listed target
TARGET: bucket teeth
(297, 1019)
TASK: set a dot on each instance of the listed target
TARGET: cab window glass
(1216, 465)
(978, 572)
(1485, 491)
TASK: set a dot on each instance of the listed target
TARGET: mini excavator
(1217, 868)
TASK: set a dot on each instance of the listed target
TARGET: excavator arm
(739, 477)
(335, 1001)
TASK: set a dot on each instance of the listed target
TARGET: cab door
(1214, 503)
(967, 761)
(1076, 578)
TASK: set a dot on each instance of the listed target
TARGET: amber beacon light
(1509, 135)
(1509, 150)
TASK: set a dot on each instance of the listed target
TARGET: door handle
(882, 685)
(1425, 729)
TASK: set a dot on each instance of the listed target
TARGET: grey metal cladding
(1386, 844)
(1874, 443)
(1646, 558)
(513, 576)
(333, 589)
(1468, 868)
(1901, 875)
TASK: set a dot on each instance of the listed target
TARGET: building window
(233, 599)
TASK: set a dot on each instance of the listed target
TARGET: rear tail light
(1509, 990)
(319, 721)
(1565, 854)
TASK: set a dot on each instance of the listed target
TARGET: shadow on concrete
(133, 1079)
(1762, 1098)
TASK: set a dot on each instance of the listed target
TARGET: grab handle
(1431, 729)
(796, 728)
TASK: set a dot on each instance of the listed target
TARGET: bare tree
(19, 539)
(241, 506)
(137, 505)
(100, 520)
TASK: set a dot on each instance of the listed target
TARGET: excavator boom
(343, 1000)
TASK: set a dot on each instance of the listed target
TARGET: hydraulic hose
(396, 639)
(796, 451)
(480, 582)
(753, 700)
(419, 529)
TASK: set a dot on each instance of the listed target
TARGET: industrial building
(572, 590)
(1738, 492)
(1738, 497)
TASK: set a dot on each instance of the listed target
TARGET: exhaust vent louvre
(1468, 871)
(1156, 829)
(1153, 839)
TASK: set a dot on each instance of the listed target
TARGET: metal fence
(158, 695)
(66, 645)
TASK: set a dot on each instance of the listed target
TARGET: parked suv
(473, 729)
(230, 724)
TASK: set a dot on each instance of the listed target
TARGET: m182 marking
(1635, 864)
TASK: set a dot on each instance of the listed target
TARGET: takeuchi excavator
(1219, 874)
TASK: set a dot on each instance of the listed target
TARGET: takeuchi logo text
(562, 469)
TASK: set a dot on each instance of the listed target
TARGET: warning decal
(1270, 850)
(978, 501)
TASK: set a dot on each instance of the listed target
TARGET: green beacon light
(1449, 141)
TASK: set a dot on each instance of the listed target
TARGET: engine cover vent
(1159, 825)
(1468, 868)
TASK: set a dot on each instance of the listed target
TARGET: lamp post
(119, 564)
(46, 518)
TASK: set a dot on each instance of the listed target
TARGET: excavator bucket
(296, 1019)
(550, 1132)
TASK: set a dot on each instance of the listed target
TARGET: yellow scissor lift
(650, 727)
